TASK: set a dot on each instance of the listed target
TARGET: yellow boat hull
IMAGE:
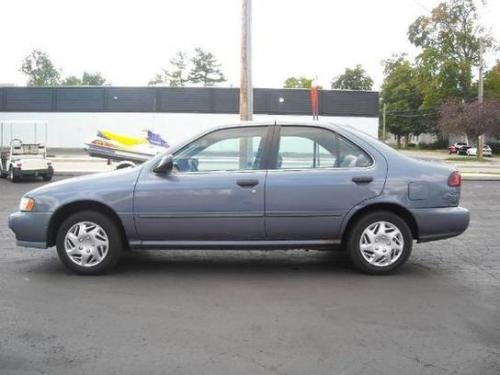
(123, 139)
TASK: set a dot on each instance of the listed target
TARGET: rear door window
(302, 147)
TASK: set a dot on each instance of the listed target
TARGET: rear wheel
(89, 243)
(379, 242)
(47, 177)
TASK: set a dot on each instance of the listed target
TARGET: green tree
(492, 82)
(176, 75)
(40, 69)
(403, 99)
(93, 79)
(157, 80)
(298, 83)
(72, 81)
(450, 38)
(88, 79)
(205, 69)
(353, 79)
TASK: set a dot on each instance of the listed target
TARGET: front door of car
(318, 177)
(214, 193)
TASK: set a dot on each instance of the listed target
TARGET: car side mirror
(165, 165)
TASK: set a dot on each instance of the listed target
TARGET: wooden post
(246, 89)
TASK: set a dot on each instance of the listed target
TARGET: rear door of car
(317, 177)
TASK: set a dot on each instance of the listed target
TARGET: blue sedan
(249, 186)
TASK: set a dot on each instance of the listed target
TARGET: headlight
(26, 204)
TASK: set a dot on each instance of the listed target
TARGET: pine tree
(205, 70)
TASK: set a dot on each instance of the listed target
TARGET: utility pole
(246, 87)
(383, 122)
(480, 141)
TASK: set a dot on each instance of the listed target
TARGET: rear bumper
(30, 228)
(440, 223)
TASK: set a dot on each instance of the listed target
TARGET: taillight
(455, 179)
(49, 164)
(19, 165)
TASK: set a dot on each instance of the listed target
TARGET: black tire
(13, 177)
(354, 237)
(47, 177)
(114, 237)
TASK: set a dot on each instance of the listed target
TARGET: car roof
(324, 124)
(337, 127)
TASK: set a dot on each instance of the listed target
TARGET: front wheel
(89, 243)
(13, 176)
(379, 242)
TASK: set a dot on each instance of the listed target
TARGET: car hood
(114, 189)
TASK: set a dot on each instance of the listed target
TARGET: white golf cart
(19, 159)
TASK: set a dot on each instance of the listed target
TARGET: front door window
(234, 149)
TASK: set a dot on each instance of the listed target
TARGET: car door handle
(362, 179)
(247, 182)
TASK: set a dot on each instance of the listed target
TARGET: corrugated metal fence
(183, 99)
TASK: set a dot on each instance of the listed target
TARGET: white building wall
(72, 130)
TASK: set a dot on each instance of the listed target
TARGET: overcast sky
(130, 41)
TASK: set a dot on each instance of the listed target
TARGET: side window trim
(276, 143)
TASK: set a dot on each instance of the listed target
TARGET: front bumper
(440, 223)
(30, 228)
(33, 172)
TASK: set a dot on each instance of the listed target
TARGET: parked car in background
(454, 148)
(248, 186)
(18, 158)
(25, 160)
(486, 151)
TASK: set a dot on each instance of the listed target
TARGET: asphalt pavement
(256, 312)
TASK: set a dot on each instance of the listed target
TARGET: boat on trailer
(123, 148)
